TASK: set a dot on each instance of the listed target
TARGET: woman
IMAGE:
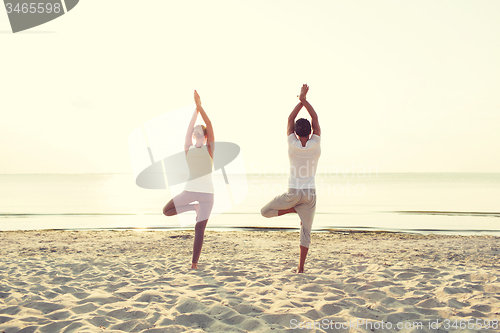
(199, 187)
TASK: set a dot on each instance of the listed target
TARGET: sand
(140, 281)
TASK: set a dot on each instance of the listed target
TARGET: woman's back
(200, 166)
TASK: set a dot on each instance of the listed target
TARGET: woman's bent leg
(179, 204)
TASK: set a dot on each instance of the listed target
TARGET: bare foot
(299, 270)
(194, 266)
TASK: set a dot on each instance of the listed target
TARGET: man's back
(303, 161)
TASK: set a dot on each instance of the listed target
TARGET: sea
(439, 203)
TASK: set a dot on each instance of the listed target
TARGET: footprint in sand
(44, 307)
(86, 308)
(200, 320)
(74, 327)
(401, 317)
(150, 296)
(54, 326)
(59, 315)
(123, 314)
(103, 321)
(481, 307)
(405, 276)
(330, 309)
(188, 305)
(133, 325)
(430, 303)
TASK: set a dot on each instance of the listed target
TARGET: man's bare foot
(299, 270)
(194, 266)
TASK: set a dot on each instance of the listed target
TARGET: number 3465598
(33, 8)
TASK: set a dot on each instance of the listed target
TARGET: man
(303, 152)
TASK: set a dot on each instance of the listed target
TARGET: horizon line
(262, 174)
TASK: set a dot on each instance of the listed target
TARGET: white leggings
(205, 205)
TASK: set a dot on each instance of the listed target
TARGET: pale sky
(405, 86)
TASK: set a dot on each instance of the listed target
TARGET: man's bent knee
(266, 212)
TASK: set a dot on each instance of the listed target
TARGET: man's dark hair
(302, 127)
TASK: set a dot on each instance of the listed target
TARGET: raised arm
(208, 124)
(189, 134)
(291, 119)
(314, 116)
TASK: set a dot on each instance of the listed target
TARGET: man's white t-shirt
(303, 161)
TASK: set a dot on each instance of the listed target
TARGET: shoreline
(322, 230)
(140, 281)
